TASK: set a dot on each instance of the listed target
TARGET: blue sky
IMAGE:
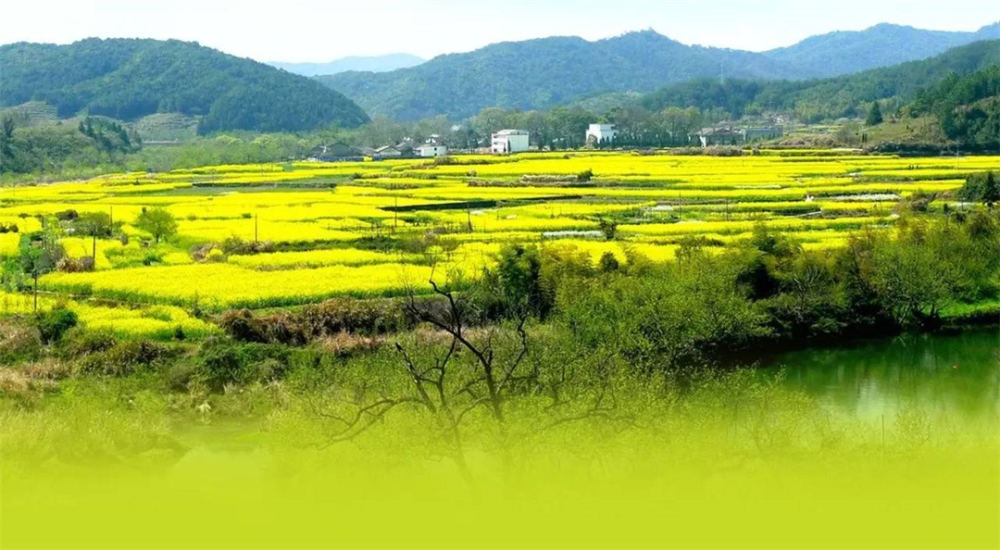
(321, 30)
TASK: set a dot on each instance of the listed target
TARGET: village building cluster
(512, 141)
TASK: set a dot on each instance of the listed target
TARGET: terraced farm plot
(383, 228)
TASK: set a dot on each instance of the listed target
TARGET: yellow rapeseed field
(384, 228)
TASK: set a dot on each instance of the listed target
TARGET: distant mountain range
(542, 73)
(374, 64)
(847, 52)
(129, 79)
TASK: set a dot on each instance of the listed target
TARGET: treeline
(764, 293)
(130, 79)
(966, 107)
(98, 146)
(814, 101)
(560, 128)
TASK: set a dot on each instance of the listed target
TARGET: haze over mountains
(542, 73)
(374, 64)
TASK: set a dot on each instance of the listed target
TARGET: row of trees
(967, 108)
(560, 128)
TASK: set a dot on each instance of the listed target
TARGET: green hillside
(847, 52)
(847, 96)
(129, 79)
(540, 74)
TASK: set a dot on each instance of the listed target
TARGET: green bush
(609, 263)
(224, 362)
(19, 342)
(81, 341)
(53, 324)
(366, 317)
(125, 358)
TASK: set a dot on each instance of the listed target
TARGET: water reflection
(951, 374)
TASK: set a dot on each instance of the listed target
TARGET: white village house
(600, 133)
(506, 142)
(430, 150)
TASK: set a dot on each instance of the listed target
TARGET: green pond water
(953, 374)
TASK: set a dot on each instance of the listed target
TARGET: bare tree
(485, 369)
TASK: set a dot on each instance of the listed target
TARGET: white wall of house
(510, 141)
(601, 132)
(430, 151)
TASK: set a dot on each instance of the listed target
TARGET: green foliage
(157, 222)
(608, 263)
(984, 188)
(514, 287)
(883, 45)
(123, 358)
(7, 144)
(80, 341)
(874, 117)
(128, 79)
(39, 253)
(909, 278)
(223, 362)
(609, 228)
(94, 224)
(53, 324)
(827, 99)
(967, 106)
(540, 74)
(330, 318)
(672, 317)
(109, 136)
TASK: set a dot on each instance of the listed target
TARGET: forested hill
(128, 79)
(815, 100)
(847, 52)
(966, 107)
(538, 74)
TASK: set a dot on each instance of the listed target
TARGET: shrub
(348, 315)
(585, 176)
(157, 222)
(67, 215)
(237, 246)
(80, 342)
(19, 342)
(609, 263)
(223, 362)
(53, 324)
(984, 188)
(124, 358)
(75, 265)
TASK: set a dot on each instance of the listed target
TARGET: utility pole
(255, 215)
